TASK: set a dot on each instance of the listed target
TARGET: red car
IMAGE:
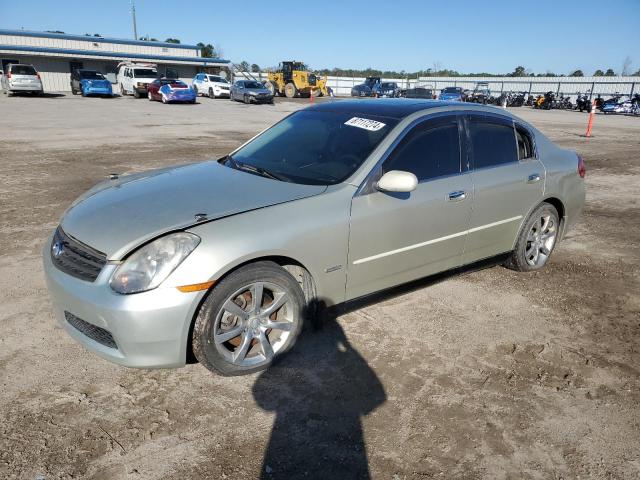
(168, 90)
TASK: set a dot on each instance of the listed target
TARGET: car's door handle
(457, 196)
(533, 178)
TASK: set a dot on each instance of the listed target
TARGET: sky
(468, 36)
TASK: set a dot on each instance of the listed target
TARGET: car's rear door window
(525, 144)
(23, 70)
(430, 150)
(493, 141)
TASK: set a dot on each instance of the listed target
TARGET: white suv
(21, 78)
(133, 79)
(213, 86)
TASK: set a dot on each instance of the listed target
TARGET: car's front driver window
(431, 149)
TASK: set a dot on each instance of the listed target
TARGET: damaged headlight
(149, 266)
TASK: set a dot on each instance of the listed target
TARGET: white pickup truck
(133, 78)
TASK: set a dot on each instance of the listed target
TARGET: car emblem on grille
(57, 249)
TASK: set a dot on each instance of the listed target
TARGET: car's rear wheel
(164, 98)
(122, 92)
(211, 94)
(195, 89)
(252, 316)
(536, 240)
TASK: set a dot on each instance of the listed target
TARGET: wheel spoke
(284, 326)
(545, 223)
(529, 250)
(228, 335)
(235, 309)
(257, 290)
(277, 303)
(242, 350)
(544, 250)
(267, 350)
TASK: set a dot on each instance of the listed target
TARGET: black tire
(136, 93)
(290, 90)
(122, 92)
(203, 345)
(73, 91)
(211, 95)
(195, 89)
(83, 92)
(517, 260)
(247, 99)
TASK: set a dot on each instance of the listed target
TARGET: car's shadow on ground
(321, 390)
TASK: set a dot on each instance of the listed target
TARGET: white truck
(133, 78)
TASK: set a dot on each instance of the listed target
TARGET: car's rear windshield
(315, 148)
(91, 75)
(388, 85)
(452, 90)
(217, 79)
(145, 72)
(253, 85)
(23, 70)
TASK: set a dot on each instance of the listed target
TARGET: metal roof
(388, 107)
(91, 53)
(86, 38)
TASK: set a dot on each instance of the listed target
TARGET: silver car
(21, 78)
(227, 259)
(251, 91)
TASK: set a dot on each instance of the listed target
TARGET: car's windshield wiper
(229, 160)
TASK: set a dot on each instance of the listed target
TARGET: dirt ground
(485, 374)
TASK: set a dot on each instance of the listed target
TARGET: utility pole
(133, 18)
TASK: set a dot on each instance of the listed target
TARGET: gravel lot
(485, 373)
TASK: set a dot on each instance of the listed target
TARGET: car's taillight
(8, 74)
(582, 170)
(38, 75)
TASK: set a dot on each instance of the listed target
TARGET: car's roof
(387, 107)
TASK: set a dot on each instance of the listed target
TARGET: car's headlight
(252, 93)
(149, 266)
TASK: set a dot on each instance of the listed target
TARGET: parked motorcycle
(583, 103)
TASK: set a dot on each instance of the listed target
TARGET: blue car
(90, 82)
(168, 90)
(452, 94)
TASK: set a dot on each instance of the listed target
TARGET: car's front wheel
(252, 316)
(536, 240)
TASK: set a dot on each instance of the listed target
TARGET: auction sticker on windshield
(365, 123)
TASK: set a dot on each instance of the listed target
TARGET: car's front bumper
(150, 329)
(98, 91)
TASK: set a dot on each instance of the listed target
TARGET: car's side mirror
(397, 181)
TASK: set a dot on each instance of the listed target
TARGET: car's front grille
(94, 332)
(76, 258)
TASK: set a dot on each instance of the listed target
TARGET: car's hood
(258, 90)
(115, 216)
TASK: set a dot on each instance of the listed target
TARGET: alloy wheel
(540, 240)
(253, 324)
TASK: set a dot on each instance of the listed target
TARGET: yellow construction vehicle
(293, 79)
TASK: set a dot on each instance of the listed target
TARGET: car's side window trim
(366, 187)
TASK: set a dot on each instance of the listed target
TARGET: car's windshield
(145, 72)
(371, 81)
(213, 78)
(253, 85)
(23, 70)
(452, 90)
(91, 75)
(315, 148)
(388, 85)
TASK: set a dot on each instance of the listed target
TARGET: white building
(55, 55)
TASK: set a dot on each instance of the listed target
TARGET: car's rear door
(396, 238)
(506, 187)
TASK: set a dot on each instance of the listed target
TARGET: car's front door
(506, 186)
(396, 238)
